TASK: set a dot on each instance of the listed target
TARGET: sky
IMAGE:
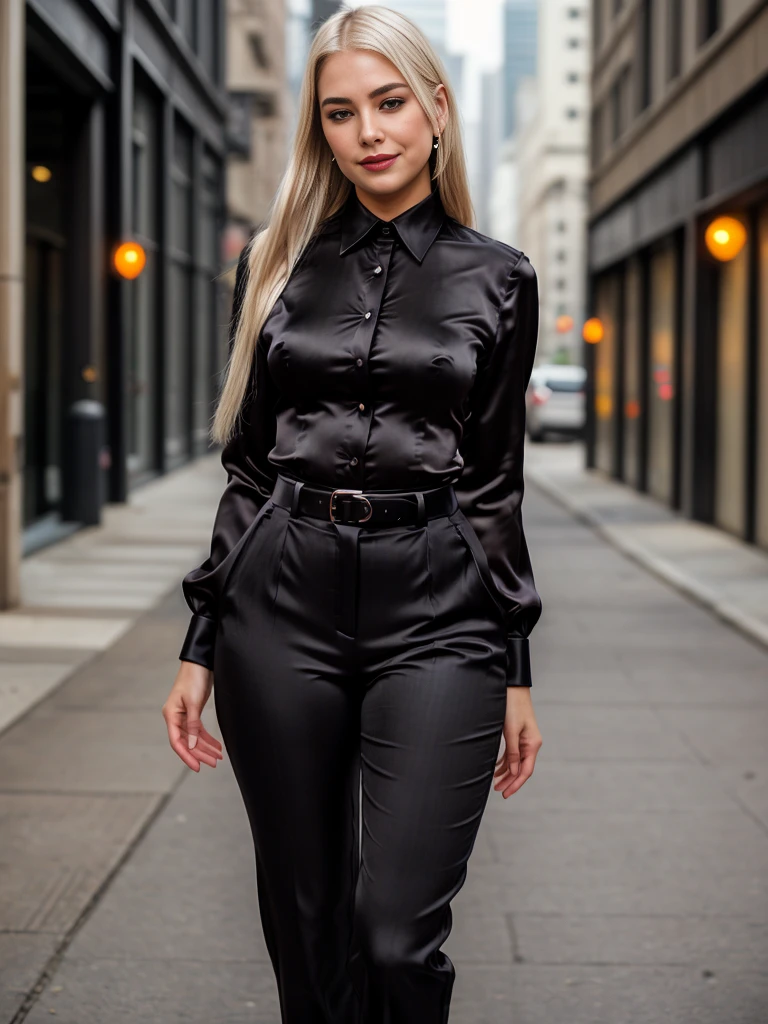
(475, 29)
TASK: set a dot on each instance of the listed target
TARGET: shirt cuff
(200, 641)
(518, 661)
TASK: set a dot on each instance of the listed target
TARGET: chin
(381, 183)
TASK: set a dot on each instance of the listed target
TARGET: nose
(371, 133)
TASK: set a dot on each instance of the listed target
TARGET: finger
(202, 744)
(179, 743)
(209, 739)
(179, 746)
(526, 770)
(194, 726)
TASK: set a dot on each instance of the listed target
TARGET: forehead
(355, 73)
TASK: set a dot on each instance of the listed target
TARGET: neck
(390, 205)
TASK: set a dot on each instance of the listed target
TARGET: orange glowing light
(603, 406)
(41, 173)
(563, 324)
(632, 409)
(129, 260)
(593, 330)
(725, 238)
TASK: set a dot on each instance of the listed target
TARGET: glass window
(206, 299)
(186, 19)
(208, 44)
(761, 519)
(730, 448)
(709, 19)
(179, 347)
(675, 37)
(607, 306)
(632, 395)
(144, 334)
(646, 55)
(662, 384)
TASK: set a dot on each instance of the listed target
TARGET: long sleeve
(490, 489)
(250, 481)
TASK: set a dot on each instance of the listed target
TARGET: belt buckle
(350, 490)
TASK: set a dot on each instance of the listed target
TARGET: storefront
(679, 380)
(125, 140)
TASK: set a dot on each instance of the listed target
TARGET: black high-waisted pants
(414, 700)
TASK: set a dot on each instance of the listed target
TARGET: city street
(626, 883)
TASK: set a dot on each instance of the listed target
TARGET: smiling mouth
(379, 163)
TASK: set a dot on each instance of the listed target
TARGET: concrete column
(12, 17)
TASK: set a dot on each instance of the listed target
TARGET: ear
(441, 104)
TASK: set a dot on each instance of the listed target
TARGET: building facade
(256, 78)
(678, 397)
(553, 167)
(113, 130)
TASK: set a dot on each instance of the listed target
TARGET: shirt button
(377, 270)
(385, 231)
(368, 316)
(353, 461)
(359, 362)
(361, 407)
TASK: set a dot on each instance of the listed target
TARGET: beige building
(679, 382)
(552, 154)
(256, 81)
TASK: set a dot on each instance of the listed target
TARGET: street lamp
(129, 260)
(593, 330)
(725, 238)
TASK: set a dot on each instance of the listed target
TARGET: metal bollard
(84, 486)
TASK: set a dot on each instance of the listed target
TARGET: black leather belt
(354, 507)
(351, 511)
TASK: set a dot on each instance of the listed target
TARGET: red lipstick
(379, 161)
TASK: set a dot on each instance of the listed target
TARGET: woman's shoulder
(492, 252)
(488, 248)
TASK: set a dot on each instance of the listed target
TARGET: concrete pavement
(626, 883)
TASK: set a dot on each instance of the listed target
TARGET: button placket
(382, 251)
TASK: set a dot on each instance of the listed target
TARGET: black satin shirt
(396, 358)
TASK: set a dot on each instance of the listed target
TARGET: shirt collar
(417, 227)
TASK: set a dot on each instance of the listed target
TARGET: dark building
(679, 382)
(125, 108)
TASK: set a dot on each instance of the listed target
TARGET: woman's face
(367, 110)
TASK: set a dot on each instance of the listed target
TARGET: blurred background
(603, 139)
(623, 145)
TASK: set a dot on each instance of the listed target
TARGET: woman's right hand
(182, 710)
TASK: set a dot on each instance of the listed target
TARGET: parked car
(555, 401)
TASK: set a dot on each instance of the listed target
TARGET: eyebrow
(371, 95)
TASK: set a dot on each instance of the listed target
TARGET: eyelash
(393, 99)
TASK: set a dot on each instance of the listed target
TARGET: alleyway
(626, 883)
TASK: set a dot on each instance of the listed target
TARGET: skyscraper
(520, 32)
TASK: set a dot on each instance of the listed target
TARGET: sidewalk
(81, 595)
(626, 882)
(718, 571)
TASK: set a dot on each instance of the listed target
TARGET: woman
(366, 605)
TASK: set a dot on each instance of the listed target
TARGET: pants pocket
(471, 542)
(235, 557)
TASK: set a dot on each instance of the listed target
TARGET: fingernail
(192, 740)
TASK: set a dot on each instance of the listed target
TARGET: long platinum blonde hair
(313, 188)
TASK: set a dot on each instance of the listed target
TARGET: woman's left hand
(522, 742)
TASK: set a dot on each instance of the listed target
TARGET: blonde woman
(366, 605)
